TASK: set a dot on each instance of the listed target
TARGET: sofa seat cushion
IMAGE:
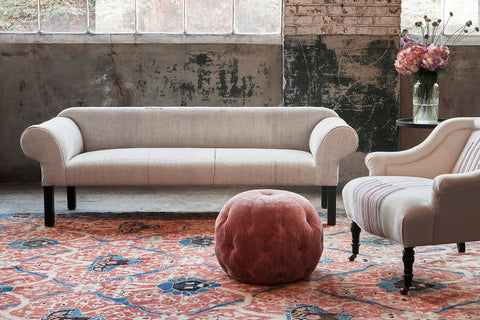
(387, 206)
(191, 166)
(273, 167)
(142, 166)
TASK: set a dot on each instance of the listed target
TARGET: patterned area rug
(161, 266)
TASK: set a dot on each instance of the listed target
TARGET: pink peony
(435, 57)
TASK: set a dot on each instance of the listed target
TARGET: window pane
(257, 16)
(18, 15)
(63, 16)
(112, 16)
(463, 11)
(413, 11)
(160, 16)
(209, 16)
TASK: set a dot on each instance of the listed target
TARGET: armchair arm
(331, 140)
(456, 182)
(52, 143)
(435, 155)
(455, 199)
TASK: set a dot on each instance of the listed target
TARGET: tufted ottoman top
(268, 236)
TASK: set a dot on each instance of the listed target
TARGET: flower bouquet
(427, 61)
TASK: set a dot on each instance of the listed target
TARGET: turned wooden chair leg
(71, 197)
(49, 205)
(331, 205)
(408, 259)
(461, 247)
(355, 229)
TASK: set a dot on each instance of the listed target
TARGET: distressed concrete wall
(38, 81)
(355, 77)
(339, 54)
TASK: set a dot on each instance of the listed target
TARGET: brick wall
(342, 17)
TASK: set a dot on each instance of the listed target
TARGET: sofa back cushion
(196, 127)
(469, 159)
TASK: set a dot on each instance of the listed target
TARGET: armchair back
(469, 159)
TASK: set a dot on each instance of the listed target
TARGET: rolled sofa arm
(52, 143)
(331, 140)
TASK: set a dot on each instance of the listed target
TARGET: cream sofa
(194, 146)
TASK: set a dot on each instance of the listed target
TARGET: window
(186, 17)
(463, 10)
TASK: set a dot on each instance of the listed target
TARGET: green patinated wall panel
(354, 75)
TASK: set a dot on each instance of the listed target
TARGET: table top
(408, 123)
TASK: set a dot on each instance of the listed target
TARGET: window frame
(137, 37)
(88, 38)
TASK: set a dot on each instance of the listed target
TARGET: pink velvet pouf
(268, 236)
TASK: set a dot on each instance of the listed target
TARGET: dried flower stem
(444, 25)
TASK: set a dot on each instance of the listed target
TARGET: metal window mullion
(38, 16)
(184, 17)
(233, 17)
(87, 18)
(136, 17)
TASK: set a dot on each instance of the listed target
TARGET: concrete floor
(29, 199)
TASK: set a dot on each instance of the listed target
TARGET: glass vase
(425, 103)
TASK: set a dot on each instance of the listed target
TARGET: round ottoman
(268, 237)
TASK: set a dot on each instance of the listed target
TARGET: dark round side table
(408, 123)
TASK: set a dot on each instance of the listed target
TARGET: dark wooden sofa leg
(355, 230)
(71, 197)
(324, 197)
(461, 247)
(49, 205)
(331, 205)
(408, 259)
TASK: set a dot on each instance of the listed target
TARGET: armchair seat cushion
(393, 207)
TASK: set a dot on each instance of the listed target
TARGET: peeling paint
(201, 77)
(21, 85)
(13, 54)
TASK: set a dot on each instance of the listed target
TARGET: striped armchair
(427, 195)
